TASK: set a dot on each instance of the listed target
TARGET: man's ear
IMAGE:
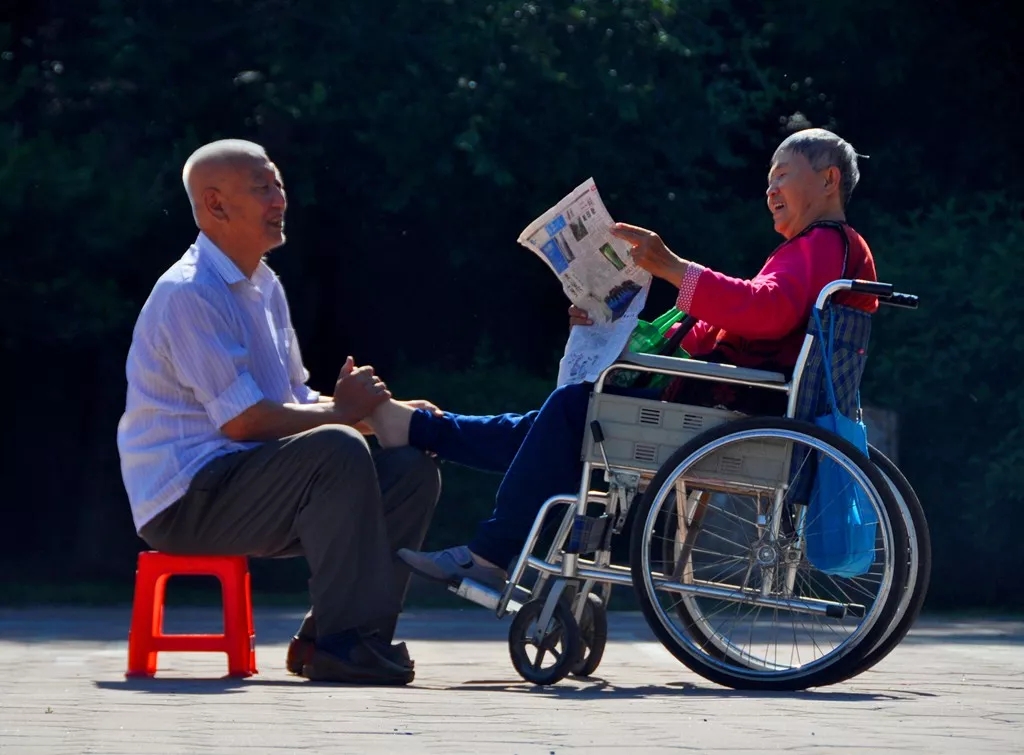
(214, 204)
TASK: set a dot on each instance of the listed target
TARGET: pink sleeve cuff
(689, 287)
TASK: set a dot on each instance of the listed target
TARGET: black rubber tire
(593, 636)
(924, 563)
(566, 628)
(841, 667)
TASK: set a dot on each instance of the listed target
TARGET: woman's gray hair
(823, 149)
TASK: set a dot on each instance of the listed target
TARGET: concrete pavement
(954, 687)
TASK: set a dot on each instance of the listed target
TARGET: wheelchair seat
(705, 370)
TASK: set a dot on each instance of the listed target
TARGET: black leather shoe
(361, 665)
(397, 653)
(300, 651)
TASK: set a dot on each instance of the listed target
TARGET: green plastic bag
(650, 338)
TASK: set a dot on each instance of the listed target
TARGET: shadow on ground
(577, 689)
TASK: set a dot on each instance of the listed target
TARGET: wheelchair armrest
(697, 368)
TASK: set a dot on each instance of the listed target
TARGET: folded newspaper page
(597, 273)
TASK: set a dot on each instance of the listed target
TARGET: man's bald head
(209, 165)
(237, 197)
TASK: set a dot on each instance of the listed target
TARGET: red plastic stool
(146, 637)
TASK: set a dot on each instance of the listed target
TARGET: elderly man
(757, 323)
(225, 450)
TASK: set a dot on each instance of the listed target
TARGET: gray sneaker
(452, 566)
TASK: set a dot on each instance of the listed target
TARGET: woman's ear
(832, 177)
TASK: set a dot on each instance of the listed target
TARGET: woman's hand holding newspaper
(578, 316)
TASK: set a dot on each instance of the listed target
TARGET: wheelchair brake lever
(598, 433)
(622, 485)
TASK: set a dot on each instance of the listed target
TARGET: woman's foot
(452, 565)
(390, 422)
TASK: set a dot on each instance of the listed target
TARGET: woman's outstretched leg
(485, 442)
(546, 463)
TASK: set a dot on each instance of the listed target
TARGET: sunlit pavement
(952, 686)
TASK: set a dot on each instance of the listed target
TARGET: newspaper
(597, 273)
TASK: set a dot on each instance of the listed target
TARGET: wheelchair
(714, 504)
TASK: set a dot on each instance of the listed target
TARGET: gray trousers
(322, 494)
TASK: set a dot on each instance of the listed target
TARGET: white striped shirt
(208, 344)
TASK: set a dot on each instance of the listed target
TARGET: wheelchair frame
(630, 438)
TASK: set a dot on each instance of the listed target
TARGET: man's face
(254, 203)
(797, 194)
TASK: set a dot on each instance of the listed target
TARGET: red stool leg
(159, 595)
(234, 582)
(141, 656)
(251, 623)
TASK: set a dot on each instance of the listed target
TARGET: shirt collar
(220, 262)
(226, 268)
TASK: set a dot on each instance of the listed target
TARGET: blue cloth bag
(839, 530)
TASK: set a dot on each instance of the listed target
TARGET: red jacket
(761, 322)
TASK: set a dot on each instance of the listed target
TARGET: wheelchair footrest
(588, 533)
(488, 597)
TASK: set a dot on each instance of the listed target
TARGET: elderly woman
(755, 323)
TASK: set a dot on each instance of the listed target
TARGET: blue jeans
(538, 452)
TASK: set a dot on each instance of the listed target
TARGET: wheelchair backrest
(851, 333)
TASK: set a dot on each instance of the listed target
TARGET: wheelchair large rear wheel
(919, 559)
(739, 603)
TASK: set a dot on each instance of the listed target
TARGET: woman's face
(797, 194)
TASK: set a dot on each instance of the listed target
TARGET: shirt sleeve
(207, 356)
(777, 300)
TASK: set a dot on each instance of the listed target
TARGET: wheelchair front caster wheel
(593, 636)
(558, 642)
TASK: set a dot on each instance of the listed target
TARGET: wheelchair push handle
(884, 291)
(881, 290)
(904, 301)
(885, 294)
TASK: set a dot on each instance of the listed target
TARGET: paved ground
(953, 687)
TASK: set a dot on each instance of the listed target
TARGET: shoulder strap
(842, 232)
